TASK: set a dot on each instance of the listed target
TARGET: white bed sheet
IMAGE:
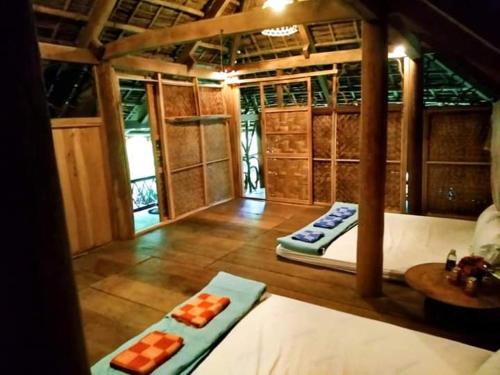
(408, 240)
(286, 336)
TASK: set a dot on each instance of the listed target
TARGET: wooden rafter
(176, 6)
(304, 38)
(323, 58)
(253, 20)
(84, 18)
(97, 20)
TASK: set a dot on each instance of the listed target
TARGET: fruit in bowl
(474, 266)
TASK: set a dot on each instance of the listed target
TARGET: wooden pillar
(413, 130)
(119, 176)
(42, 330)
(232, 101)
(373, 150)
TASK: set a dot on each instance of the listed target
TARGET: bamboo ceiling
(61, 21)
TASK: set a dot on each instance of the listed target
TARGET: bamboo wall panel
(287, 179)
(322, 182)
(219, 181)
(184, 145)
(295, 121)
(287, 144)
(456, 165)
(322, 136)
(179, 101)
(188, 190)
(211, 101)
(394, 121)
(216, 139)
(347, 136)
(459, 136)
(347, 184)
(458, 189)
(81, 166)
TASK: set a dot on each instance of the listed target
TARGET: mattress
(408, 240)
(286, 336)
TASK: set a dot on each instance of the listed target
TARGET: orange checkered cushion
(148, 353)
(201, 309)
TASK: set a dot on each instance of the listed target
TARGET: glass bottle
(451, 260)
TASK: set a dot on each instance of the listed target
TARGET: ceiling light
(398, 52)
(278, 6)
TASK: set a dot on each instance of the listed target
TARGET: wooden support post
(38, 289)
(413, 131)
(121, 196)
(373, 150)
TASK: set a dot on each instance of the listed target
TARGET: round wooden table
(430, 280)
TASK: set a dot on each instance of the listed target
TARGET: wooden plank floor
(126, 286)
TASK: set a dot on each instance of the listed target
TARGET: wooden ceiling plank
(97, 21)
(323, 58)
(251, 21)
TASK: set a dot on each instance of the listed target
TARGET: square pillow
(486, 240)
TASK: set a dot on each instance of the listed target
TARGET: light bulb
(397, 52)
(276, 5)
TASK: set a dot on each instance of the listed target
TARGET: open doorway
(140, 154)
(252, 159)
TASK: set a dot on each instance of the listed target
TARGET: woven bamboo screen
(347, 157)
(456, 179)
(287, 144)
(198, 149)
(322, 156)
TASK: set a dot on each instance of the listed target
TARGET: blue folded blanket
(198, 342)
(309, 236)
(349, 210)
(328, 222)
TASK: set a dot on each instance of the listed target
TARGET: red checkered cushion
(148, 353)
(201, 309)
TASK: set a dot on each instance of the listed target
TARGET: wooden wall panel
(211, 101)
(288, 179)
(179, 101)
(322, 181)
(216, 139)
(187, 189)
(394, 135)
(347, 182)
(81, 166)
(219, 181)
(184, 145)
(347, 135)
(456, 176)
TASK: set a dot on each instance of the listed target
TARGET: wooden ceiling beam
(66, 53)
(270, 51)
(84, 18)
(142, 64)
(247, 22)
(323, 58)
(306, 41)
(176, 6)
(97, 21)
